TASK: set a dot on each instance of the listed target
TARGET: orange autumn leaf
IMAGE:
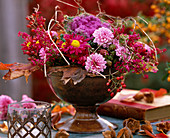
(57, 108)
(18, 70)
(65, 109)
(5, 66)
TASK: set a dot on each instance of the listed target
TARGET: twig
(54, 42)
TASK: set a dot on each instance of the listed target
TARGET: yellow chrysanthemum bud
(75, 43)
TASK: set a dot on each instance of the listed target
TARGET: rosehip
(109, 80)
(121, 77)
(118, 90)
(107, 83)
(118, 78)
(108, 90)
(112, 94)
(27, 18)
(29, 26)
(124, 86)
(122, 83)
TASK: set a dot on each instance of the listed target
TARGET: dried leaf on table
(64, 109)
(76, 74)
(109, 133)
(161, 135)
(163, 127)
(62, 134)
(147, 126)
(157, 93)
(147, 129)
(125, 133)
(20, 69)
(4, 127)
(55, 119)
(58, 109)
(132, 124)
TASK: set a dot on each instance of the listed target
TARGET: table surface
(119, 122)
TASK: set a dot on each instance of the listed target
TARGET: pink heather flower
(4, 102)
(103, 36)
(53, 33)
(25, 98)
(121, 51)
(42, 53)
(95, 62)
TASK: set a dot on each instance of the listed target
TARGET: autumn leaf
(20, 69)
(147, 126)
(109, 133)
(125, 133)
(5, 66)
(132, 124)
(76, 74)
(163, 126)
(4, 127)
(55, 119)
(62, 134)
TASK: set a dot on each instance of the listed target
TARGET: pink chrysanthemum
(103, 36)
(121, 51)
(4, 102)
(25, 98)
(95, 63)
(75, 48)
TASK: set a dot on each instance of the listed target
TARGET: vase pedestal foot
(86, 120)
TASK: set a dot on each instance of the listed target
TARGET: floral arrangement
(95, 43)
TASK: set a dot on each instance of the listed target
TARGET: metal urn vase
(85, 96)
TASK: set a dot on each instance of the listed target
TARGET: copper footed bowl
(85, 96)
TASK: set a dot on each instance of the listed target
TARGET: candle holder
(29, 119)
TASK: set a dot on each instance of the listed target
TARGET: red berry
(124, 86)
(156, 63)
(27, 52)
(121, 77)
(31, 22)
(41, 25)
(122, 83)
(109, 80)
(107, 83)
(112, 94)
(29, 26)
(29, 58)
(108, 90)
(27, 18)
(32, 30)
(118, 78)
(118, 90)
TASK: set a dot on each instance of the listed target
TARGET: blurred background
(13, 13)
